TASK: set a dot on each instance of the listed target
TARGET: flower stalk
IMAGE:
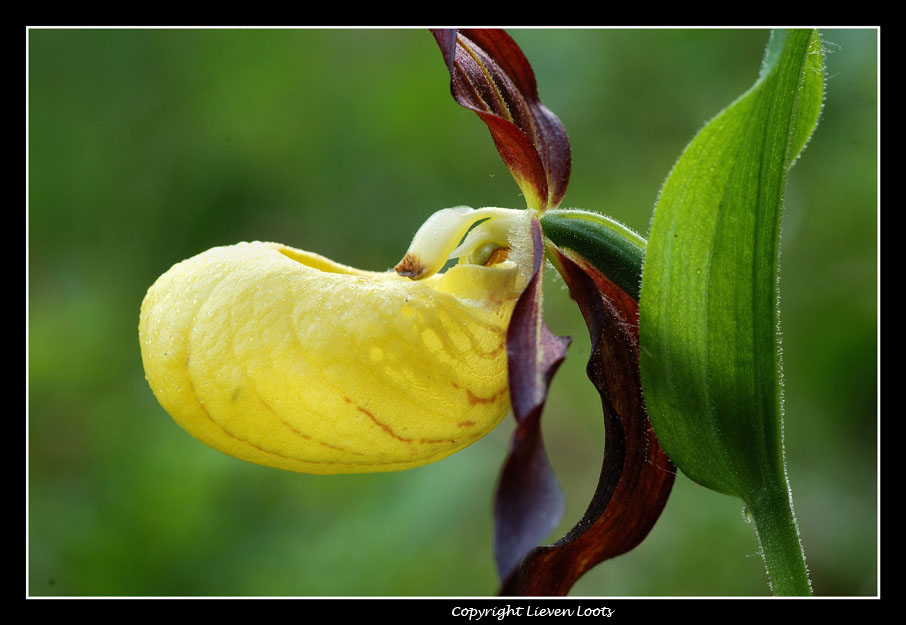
(779, 542)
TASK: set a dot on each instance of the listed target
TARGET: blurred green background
(149, 146)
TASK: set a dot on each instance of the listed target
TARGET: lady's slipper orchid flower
(287, 359)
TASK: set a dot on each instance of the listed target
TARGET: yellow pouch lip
(365, 437)
(316, 261)
(467, 282)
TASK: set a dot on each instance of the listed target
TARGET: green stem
(778, 536)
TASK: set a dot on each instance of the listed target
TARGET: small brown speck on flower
(411, 267)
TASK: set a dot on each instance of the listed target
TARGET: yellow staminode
(287, 359)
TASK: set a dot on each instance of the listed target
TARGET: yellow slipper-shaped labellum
(287, 359)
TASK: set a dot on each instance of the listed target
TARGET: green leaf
(709, 324)
(606, 244)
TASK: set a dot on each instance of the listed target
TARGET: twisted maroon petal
(529, 502)
(636, 476)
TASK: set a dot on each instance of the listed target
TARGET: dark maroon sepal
(636, 476)
(490, 75)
